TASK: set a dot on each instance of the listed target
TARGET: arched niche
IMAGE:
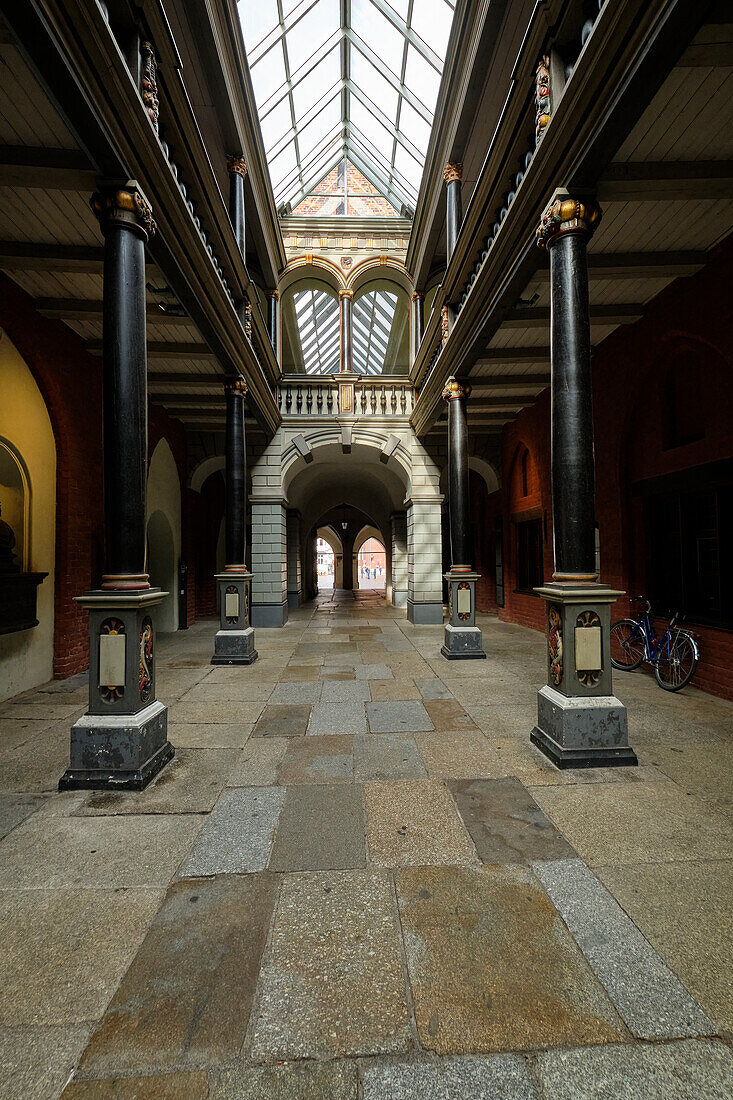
(28, 483)
(164, 498)
(310, 304)
(381, 329)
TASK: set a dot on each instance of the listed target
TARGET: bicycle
(674, 656)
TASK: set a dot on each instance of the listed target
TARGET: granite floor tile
(332, 982)
(214, 736)
(687, 1070)
(505, 823)
(684, 911)
(388, 757)
(15, 732)
(15, 808)
(225, 711)
(501, 1077)
(327, 759)
(64, 951)
(615, 822)
(297, 692)
(492, 966)
(184, 1085)
(185, 1000)
(37, 764)
(648, 997)
(258, 762)
(53, 851)
(414, 823)
(190, 784)
(346, 691)
(448, 714)
(374, 671)
(337, 718)
(338, 674)
(306, 1081)
(234, 692)
(433, 688)
(458, 754)
(321, 829)
(398, 717)
(237, 836)
(35, 1062)
(300, 673)
(283, 720)
(515, 720)
(387, 690)
(41, 709)
(521, 758)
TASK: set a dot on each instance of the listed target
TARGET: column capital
(124, 206)
(417, 296)
(274, 294)
(236, 164)
(566, 214)
(453, 172)
(236, 386)
(454, 389)
(345, 293)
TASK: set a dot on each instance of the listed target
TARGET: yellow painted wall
(26, 658)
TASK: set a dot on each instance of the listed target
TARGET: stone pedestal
(463, 640)
(234, 643)
(121, 743)
(580, 723)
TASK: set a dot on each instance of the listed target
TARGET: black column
(236, 478)
(273, 312)
(346, 359)
(453, 210)
(127, 222)
(237, 171)
(565, 231)
(456, 394)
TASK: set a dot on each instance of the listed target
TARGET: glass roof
(317, 314)
(346, 78)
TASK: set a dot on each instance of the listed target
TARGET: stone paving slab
(36, 1061)
(503, 720)
(687, 1070)
(186, 998)
(321, 829)
(190, 784)
(433, 688)
(185, 1085)
(327, 759)
(492, 966)
(257, 764)
(105, 852)
(237, 836)
(305, 1081)
(297, 692)
(337, 718)
(501, 1077)
(458, 754)
(373, 672)
(15, 732)
(523, 759)
(415, 823)
(284, 720)
(345, 691)
(214, 736)
(388, 757)
(15, 808)
(235, 692)
(448, 714)
(37, 764)
(224, 711)
(332, 983)
(648, 996)
(64, 951)
(398, 717)
(386, 690)
(300, 673)
(505, 822)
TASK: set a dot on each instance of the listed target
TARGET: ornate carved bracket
(542, 97)
(149, 83)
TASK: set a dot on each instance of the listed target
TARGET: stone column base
(582, 733)
(463, 643)
(234, 647)
(118, 752)
(399, 597)
(293, 600)
(424, 613)
(234, 643)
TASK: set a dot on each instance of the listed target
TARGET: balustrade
(315, 397)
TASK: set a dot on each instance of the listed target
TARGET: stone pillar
(269, 562)
(580, 723)
(121, 743)
(346, 331)
(237, 168)
(273, 321)
(453, 175)
(399, 558)
(418, 322)
(462, 637)
(424, 561)
(234, 643)
(293, 551)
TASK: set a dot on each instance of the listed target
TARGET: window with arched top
(683, 411)
(15, 501)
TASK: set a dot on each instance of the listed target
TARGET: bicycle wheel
(627, 645)
(677, 662)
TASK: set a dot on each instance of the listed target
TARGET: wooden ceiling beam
(506, 381)
(638, 265)
(179, 378)
(86, 309)
(168, 349)
(539, 316)
(211, 401)
(645, 181)
(50, 169)
(29, 256)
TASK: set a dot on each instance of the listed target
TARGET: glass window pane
(257, 19)
(315, 84)
(372, 129)
(269, 73)
(400, 6)
(276, 123)
(311, 31)
(408, 167)
(380, 35)
(415, 128)
(283, 163)
(421, 78)
(374, 86)
(432, 20)
(309, 136)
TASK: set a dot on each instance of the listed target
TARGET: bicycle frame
(654, 656)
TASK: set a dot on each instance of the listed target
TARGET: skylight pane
(400, 6)
(380, 35)
(432, 20)
(277, 123)
(414, 127)
(258, 19)
(373, 84)
(310, 136)
(421, 78)
(408, 167)
(372, 129)
(310, 32)
(269, 73)
(316, 83)
(283, 163)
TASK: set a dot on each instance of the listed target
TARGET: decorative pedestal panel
(462, 640)
(121, 743)
(580, 722)
(234, 643)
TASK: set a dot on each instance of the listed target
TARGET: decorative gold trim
(248, 320)
(274, 294)
(568, 215)
(236, 164)
(116, 204)
(444, 324)
(573, 578)
(149, 83)
(542, 96)
(235, 385)
(454, 389)
(453, 173)
(345, 292)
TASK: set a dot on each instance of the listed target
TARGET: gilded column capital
(237, 164)
(345, 293)
(124, 206)
(453, 390)
(567, 215)
(236, 386)
(274, 294)
(453, 173)
(417, 296)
